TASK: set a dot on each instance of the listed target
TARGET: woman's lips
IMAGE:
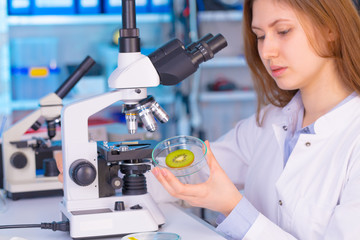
(277, 71)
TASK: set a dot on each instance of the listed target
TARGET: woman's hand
(218, 193)
(59, 164)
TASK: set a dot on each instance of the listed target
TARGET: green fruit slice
(179, 158)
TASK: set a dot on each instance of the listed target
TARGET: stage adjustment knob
(18, 160)
(50, 168)
(82, 172)
(119, 206)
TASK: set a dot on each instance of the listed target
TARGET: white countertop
(35, 211)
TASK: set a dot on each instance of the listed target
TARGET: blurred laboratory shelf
(213, 113)
(220, 16)
(47, 20)
(70, 31)
(220, 62)
(227, 96)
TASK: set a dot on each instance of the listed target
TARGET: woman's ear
(331, 35)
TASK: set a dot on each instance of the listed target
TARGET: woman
(298, 158)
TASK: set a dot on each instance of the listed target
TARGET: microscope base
(97, 217)
(40, 187)
(36, 194)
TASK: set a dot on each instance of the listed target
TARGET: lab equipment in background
(1, 169)
(88, 6)
(211, 5)
(19, 7)
(2, 127)
(53, 7)
(90, 211)
(160, 6)
(19, 155)
(34, 69)
(93, 83)
(221, 84)
(215, 110)
(115, 6)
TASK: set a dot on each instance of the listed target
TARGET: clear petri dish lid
(177, 148)
(152, 236)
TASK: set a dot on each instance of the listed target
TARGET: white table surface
(35, 211)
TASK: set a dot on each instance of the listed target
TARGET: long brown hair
(339, 16)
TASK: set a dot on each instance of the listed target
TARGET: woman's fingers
(61, 177)
(211, 160)
(175, 187)
(160, 177)
(58, 159)
(59, 164)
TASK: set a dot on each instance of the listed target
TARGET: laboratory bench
(38, 210)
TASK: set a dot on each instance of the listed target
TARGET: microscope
(20, 156)
(94, 172)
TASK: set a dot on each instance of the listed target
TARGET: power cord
(63, 226)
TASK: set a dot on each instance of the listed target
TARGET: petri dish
(195, 145)
(152, 236)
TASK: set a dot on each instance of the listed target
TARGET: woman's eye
(284, 32)
(260, 37)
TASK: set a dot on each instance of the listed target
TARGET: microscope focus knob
(18, 160)
(82, 172)
(116, 182)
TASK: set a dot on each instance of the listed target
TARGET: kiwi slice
(179, 158)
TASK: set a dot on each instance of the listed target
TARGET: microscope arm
(50, 106)
(15, 132)
(75, 142)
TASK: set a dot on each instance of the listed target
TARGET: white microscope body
(90, 212)
(90, 215)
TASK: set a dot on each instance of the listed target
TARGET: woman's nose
(269, 48)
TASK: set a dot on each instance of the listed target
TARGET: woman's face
(284, 47)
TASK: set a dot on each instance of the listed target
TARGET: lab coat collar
(338, 118)
(287, 120)
(326, 124)
(292, 110)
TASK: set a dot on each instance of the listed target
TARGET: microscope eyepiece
(217, 43)
(174, 62)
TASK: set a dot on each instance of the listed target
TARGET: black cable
(20, 226)
(63, 226)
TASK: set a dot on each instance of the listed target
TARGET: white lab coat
(317, 194)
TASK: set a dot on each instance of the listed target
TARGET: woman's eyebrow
(271, 24)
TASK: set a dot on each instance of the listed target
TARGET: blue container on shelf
(160, 6)
(115, 6)
(34, 69)
(19, 7)
(53, 7)
(88, 6)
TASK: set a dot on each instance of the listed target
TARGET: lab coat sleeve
(241, 218)
(263, 228)
(235, 226)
